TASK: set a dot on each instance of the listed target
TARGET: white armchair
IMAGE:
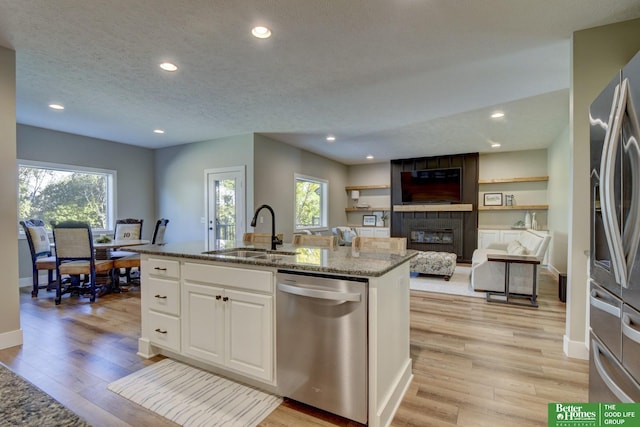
(489, 275)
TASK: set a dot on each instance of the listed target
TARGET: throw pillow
(40, 239)
(515, 248)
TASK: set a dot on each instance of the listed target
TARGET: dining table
(103, 249)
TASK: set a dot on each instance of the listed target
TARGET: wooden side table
(509, 298)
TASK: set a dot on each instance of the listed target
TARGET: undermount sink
(251, 253)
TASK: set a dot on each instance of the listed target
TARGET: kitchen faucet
(274, 240)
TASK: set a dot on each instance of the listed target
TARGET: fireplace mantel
(463, 207)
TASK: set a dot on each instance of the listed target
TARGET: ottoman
(430, 262)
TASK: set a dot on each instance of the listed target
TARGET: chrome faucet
(274, 240)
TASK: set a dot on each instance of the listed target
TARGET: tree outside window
(59, 193)
(311, 202)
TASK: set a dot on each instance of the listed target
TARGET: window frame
(110, 174)
(324, 202)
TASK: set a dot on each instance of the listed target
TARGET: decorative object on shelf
(369, 220)
(381, 218)
(519, 225)
(534, 221)
(527, 220)
(355, 195)
(509, 200)
(493, 199)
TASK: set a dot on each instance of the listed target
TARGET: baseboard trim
(11, 339)
(575, 349)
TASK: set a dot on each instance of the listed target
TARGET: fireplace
(434, 234)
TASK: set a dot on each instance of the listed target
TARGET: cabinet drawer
(163, 268)
(164, 330)
(164, 295)
(253, 280)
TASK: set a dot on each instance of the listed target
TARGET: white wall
(10, 332)
(275, 166)
(559, 166)
(134, 167)
(368, 174)
(597, 54)
(179, 179)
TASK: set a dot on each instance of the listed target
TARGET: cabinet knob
(160, 331)
(218, 297)
(225, 299)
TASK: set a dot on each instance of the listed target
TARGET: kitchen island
(216, 309)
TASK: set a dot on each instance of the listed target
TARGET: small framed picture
(369, 220)
(379, 220)
(493, 199)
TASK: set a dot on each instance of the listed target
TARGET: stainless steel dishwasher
(322, 342)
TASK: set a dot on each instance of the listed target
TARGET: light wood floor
(474, 363)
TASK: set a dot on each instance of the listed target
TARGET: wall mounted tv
(432, 186)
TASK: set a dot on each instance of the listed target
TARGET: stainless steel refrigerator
(614, 362)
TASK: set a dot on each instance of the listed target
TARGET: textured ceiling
(390, 78)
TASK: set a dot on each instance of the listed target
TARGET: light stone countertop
(336, 261)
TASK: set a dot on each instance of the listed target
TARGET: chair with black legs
(75, 256)
(126, 229)
(42, 257)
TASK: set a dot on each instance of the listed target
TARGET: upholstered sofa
(489, 275)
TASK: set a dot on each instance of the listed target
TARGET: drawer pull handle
(160, 268)
(218, 297)
(225, 299)
(160, 331)
(161, 296)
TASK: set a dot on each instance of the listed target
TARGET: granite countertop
(306, 258)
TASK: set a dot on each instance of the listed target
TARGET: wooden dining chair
(259, 238)
(42, 257)
(379, 245)
(314, 240)
(75, 256)
(126, 229)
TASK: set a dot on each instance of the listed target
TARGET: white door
(225, 204)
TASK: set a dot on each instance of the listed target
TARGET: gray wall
(10, 332)
(559, 166)
(134, 166)
(275, 166)
(179, 177)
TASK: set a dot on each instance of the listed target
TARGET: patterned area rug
(192, 397)
(459, 284)
(23, 404)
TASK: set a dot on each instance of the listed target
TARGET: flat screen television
(432, 186)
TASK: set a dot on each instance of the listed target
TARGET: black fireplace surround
(441, 231)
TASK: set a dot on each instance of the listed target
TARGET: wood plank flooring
(475, 363)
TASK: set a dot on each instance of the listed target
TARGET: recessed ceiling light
(496, 145)
(331, 138)
(497, 115)
(56, 107)
(261, 32)
(369, 157)
(168, 66)
(160, 131)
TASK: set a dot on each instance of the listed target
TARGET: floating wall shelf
(507, 180)
(514, 208)
(463, 207)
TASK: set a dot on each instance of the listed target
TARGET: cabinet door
(365, 231)
(249, 333)
(381, 232)
(203, 322)
(486, 237)
(509, 235)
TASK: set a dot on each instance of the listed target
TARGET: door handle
(315, 293)
(603, 305)
(627, 327)
(606, 378)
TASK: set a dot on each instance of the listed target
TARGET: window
(311, 202)
(53, 192)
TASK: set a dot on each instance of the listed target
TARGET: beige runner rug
(192, 397)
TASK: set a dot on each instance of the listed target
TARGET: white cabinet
(373, 231)
(486, 237)
(228, 318)
(161, 302)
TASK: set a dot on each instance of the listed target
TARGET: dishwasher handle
(319, 294)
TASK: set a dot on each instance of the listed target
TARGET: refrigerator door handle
(631, 234)
(611, 385)
(627, 327)
(599, 303)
